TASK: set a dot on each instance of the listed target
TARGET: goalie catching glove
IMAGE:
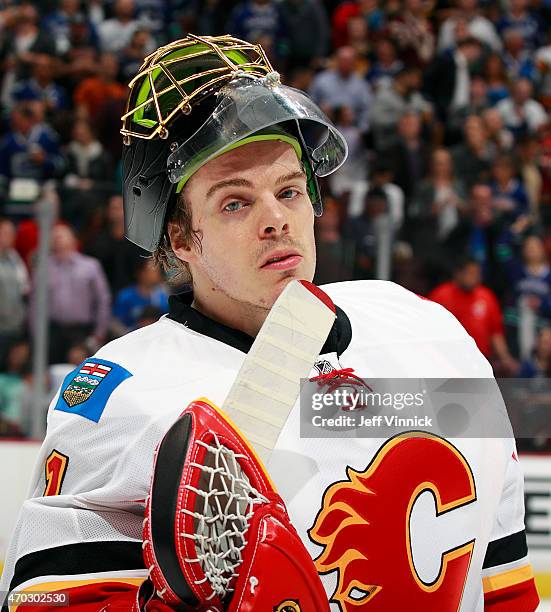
(216, 534)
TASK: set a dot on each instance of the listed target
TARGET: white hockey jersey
(417, 523)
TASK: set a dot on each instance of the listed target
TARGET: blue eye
(288, 194)
(233, 206)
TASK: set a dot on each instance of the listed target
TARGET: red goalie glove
(217, 535)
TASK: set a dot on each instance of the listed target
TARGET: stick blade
(284, 351)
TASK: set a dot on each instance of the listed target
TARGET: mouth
(282, 260)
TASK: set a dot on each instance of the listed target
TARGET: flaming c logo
(364, 527)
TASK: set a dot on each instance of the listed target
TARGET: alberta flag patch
(86, 389)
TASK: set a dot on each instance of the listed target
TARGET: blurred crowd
(447, 190)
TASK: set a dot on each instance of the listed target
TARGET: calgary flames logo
(364, 527)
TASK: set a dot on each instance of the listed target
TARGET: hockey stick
(210, 489)
(284, 351)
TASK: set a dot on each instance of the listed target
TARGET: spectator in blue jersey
(529, 291)
(155, 15)
(510, 199)
(477, 233)
(61, 23)
(131, 57)
(537, 365)
(531, 277)
(518, 59)
(495, 76)
(519, 17)
(259, 20)
(386, 64)
(149, 290)
(41, 86)
(31, 148)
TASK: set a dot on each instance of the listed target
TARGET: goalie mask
(198, 98)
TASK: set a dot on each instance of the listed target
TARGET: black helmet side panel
(147, 191)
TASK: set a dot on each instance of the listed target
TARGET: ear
(181, 248)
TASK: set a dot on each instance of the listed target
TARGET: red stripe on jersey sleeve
(520, 597)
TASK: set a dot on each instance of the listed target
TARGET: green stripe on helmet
(272, 134)
(236, 56)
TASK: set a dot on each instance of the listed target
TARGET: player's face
(256, 222)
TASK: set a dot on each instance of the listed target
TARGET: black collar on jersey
(180, 310)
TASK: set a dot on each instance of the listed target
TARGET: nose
(274, 217)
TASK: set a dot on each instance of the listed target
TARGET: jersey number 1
(55, 468)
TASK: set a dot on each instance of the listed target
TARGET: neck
(237, 315)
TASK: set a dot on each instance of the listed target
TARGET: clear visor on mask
(248, 105)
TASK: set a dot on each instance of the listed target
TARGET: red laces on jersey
(338, 378)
